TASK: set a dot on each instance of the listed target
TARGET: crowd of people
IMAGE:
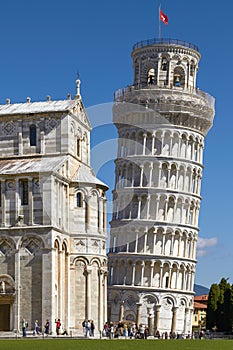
(37, 330)
(131, 330)
(88, 328)
(111, 330)
(124, 329)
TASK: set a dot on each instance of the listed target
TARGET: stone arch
(147, 273)
(176, 245)
(166, 143)
(137, 174)
(150, 241)
(65, 245)
(32, 243)
(130, 315)
(164, 62)
(164, 176)
(181, 175)
(122, 273)
(159, 241)
(178, 211)
(165, 276)
(150, 299)
(130, 298)
(168, 301)
(179, 76)
(184, 138)
(7, 245)
(95, 260)
(180, 281)
(170, 208)
(173, 176)
(129, 272)
(156, 274)
(57, 243)
(192, 68)
(168, 242)
(139, 141)
(146, 173)
(7, 284)
(132, 144)
(174, 275)
(144, 205)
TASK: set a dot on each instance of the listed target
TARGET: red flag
(163, 17)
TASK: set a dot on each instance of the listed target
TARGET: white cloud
(203, 244)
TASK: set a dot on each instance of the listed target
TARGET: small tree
(223, 306)
(212, 306)
(220, 306)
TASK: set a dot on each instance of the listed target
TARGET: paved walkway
(15, 335)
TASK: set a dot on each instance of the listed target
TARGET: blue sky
(45, 43)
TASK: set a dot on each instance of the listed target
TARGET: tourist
(24, 327)
(92, 332)
(36, 328)
(88, 328)
(112, 331)
(58, 326)
(46, 326)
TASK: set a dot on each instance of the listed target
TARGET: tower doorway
(4, 317)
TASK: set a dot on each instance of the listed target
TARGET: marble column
(174, 313)
(42, 142)
(87, 213)
(121, 314)
(101, 286)
(30, 201)
(105, 296)
(104, 214)
(60, 282)
(17, 304)
(150, 320)
(186, 320)
(3, 202)
(17, 199)
(138, 316)
(157, 317)
(88, 295)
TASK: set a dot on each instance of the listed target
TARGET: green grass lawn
(90, 344)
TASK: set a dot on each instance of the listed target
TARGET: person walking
(88, 328)
(46, 326)
(92, 328)
(24, 327)
(36, 328)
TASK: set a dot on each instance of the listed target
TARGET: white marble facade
(53, 217)
(162, 120)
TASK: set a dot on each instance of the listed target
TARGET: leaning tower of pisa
(162, 120)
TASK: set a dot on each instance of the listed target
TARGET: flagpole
(159, 22)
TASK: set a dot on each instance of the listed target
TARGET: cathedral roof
(86, 175)
(37, 107)
(30, 165)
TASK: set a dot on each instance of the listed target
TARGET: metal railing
(155, 41)
(119, 94)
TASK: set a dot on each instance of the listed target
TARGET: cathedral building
(52, 217)
(162, 121)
